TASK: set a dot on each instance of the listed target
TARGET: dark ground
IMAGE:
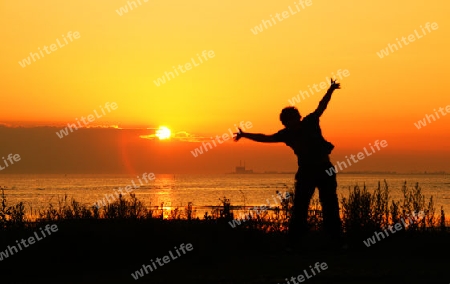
(102, 251)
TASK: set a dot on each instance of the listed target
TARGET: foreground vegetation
(361, 211)
(107, 244)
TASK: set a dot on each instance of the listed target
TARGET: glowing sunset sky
(251, 77)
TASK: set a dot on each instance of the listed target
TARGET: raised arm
(326, 99)
(255, 137)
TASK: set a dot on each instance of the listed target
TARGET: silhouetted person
(304, 136)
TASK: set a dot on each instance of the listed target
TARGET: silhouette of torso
(307, 141)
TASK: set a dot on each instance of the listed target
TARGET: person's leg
(298, 224)
(327, 186)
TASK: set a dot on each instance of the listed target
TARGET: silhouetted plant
(380, 205)
(414, 205)
(125, 209)
(206, 216)
(161, 215)
(365, 212)
(395, 212)
(175, 214)
(442, 221)
(189, 211)
(11, 216)
(225, 212)
(357, 211)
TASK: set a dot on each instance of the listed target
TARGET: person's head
(290, 116)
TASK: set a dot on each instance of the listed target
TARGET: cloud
(182, 136)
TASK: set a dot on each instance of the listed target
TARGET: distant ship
(241, 169)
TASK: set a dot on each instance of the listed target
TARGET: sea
(177, 190)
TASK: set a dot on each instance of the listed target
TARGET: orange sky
(250, 77)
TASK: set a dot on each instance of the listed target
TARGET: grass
(365, 212)
(107, 244)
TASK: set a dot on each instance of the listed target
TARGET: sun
(163, 133)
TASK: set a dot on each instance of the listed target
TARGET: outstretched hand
(237, 136)
(335, 85)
